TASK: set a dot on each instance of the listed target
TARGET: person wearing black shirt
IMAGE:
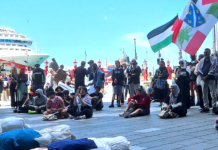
(97, 99)
(59, 92)
(134, 78)
(80, 74)
(117, 78)
(67, 99)
(90, 73)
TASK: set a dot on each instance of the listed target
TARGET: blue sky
(64, 29)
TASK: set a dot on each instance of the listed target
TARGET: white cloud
(105, 17)
(141, 39)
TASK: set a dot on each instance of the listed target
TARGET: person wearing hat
(134, 78)
(90, 73)
(38, 78)
(140, 104)
(28, 103)
(39, 105)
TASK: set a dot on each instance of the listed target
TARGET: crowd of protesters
(46, 96)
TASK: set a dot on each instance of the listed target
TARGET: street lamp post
(135, 49)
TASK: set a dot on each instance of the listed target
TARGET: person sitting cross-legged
(82, 104)
(140, 103)
(97, 99)
(20, 103)
(59, 91)
(28, 103)
(176, 102)
(39, 105)
(67, 99)
(55, 105)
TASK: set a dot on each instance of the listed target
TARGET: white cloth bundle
(117, 143)
(13, 123)
(54, 134)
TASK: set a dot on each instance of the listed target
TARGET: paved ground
(194, 132)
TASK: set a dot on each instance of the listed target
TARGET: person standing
(198, 82)
(80, 74)
(90, 73)
(21, 86)
(117, 78)
(98, 76)
(49, 78)
(38, 78)
(6, 85)
(12, 85)
(207, 70)
(161, 89)
(182, 75)
(126, 86)
(134, 78)
(1, 86)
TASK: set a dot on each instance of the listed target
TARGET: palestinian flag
(161, 36)
(196, 22)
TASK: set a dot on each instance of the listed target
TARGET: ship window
(12, 35)
(0, 48)
(13, 44)
(16, 36)
(11, 49)
(2, 44)
(23, 49)
(29, 50)
(6, 35)
(4, 49)
(17, 49)
(1, 40)
(8, 44)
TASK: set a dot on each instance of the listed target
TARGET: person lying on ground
(20, 103)
(39, 103)
(55, 105)
(67, 99)
(82, 105)
(176, 102)
(97, 99)
(59, 92)
(140, 103)
(29, 102)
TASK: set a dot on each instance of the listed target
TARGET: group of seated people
(81, 104)
(139, 105)
(61, 103)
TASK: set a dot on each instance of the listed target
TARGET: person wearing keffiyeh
(207, 70)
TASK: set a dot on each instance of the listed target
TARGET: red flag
(205, 2)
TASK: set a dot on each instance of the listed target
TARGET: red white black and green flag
(161, 36)
(196, 22)
(188, 32)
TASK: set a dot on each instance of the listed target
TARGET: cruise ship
(15, 49)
